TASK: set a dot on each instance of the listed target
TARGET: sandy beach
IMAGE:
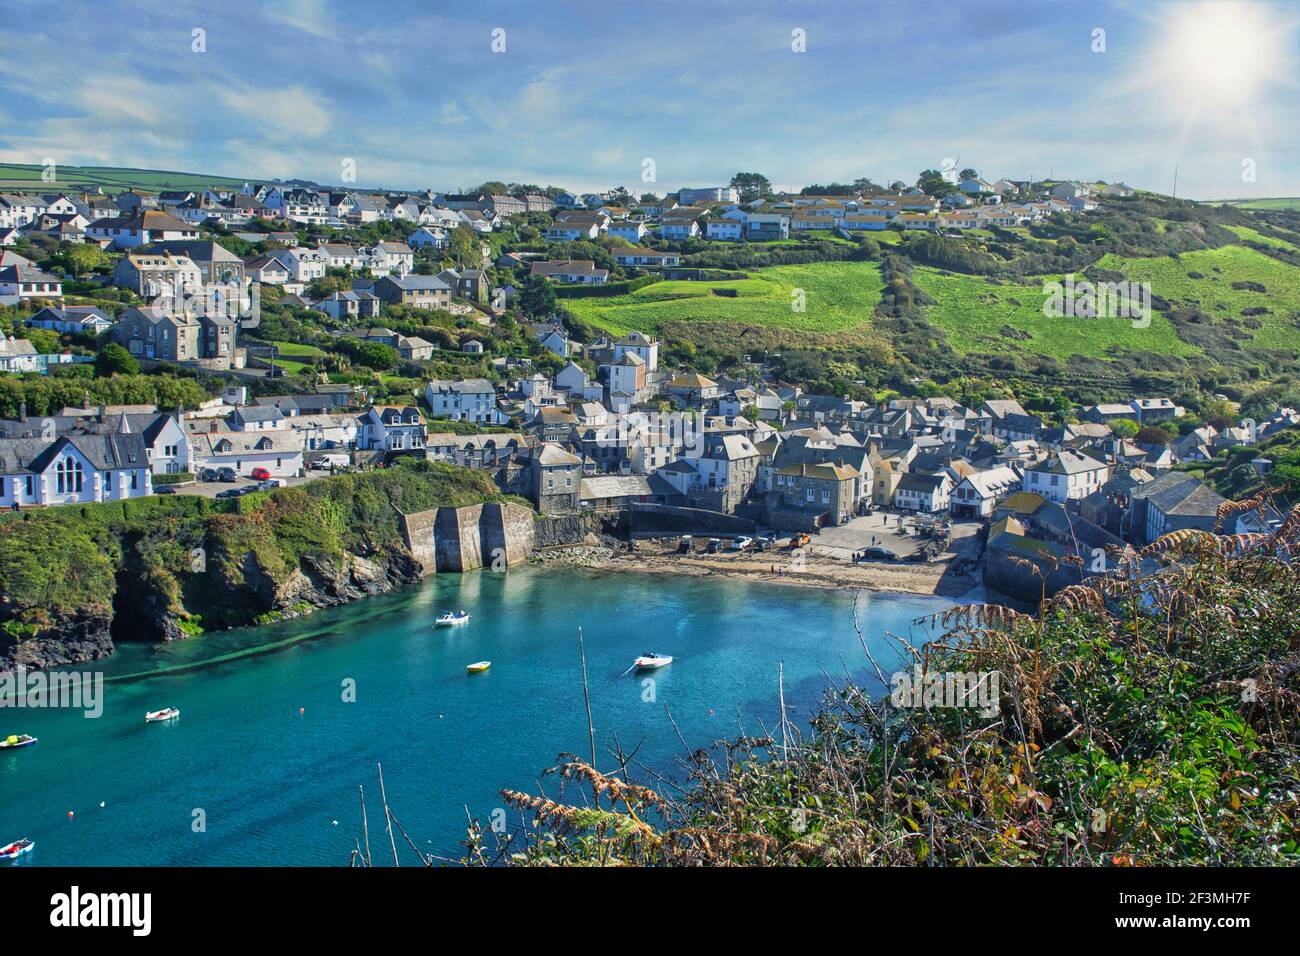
(820, 565)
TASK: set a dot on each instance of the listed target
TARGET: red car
(260, 474)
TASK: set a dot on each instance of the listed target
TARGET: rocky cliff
(73, 581)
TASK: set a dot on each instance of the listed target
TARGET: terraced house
(810, 496)
(420, 292)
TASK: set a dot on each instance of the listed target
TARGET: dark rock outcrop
(64, 640)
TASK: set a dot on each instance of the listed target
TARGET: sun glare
(1218, 56)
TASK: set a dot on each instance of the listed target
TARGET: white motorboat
(167, 713)
(652, 661)
(16, 849)
(452, 619)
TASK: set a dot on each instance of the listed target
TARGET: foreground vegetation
(1146, 718)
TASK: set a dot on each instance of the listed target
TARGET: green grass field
(297, 349)
(113, 179)
(1285, 202)
(837, 297)
(1213, 292)
(974, 312)
(1250, 235)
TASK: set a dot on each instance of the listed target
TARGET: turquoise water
(276, 786)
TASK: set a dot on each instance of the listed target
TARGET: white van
(326, 462)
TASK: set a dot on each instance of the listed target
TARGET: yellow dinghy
(479, 667)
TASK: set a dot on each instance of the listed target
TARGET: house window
(69, 475)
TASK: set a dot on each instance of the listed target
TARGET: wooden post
(388, 817)
(586, 699)
(365, 827)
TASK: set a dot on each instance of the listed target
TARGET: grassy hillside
(981, 315)
(1228, 284)
(1291, 202)
(838, 297)
(113, 179)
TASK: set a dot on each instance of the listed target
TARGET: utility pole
(1175, 195)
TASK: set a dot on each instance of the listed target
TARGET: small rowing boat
(478, 667)
(652, 661)
(14, 741)
(16, 849)
(452, 618)
(167, 713)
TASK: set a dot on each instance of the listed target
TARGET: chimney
(99, 417)
(22, 411)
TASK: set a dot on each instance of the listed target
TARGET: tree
(751, 186)
(377, 355)
(968, 173)
(113, 359)
(1125, 428)
(932, 183)
(82, 257)
(1152, 435)
(537, 298)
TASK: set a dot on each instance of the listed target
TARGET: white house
(73, 469)
(140, 229)
(71, 319)
(976, 495)
(928, 494)
(28, 282)
(392, 428)
(641, 345)
(426, 238)
(1065, 475)
(279, 451)
(633, 230)
(726, 230)
(472, 400)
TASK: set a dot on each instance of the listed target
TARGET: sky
(659, 94)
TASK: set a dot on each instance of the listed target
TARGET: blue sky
(585, 92)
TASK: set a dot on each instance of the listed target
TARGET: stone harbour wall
(462, 539)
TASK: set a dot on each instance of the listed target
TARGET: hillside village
(216, 284)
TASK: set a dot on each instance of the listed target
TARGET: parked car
(271, 483)
(879, 554)
(207, 474)
(684, 544)
(714, 546)
(765, 542)
(740, 542)
(227, 474)
(230, 493)
(259, 474)
(164, 489)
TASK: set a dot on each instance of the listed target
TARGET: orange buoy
(71, 814)
(301, 711)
